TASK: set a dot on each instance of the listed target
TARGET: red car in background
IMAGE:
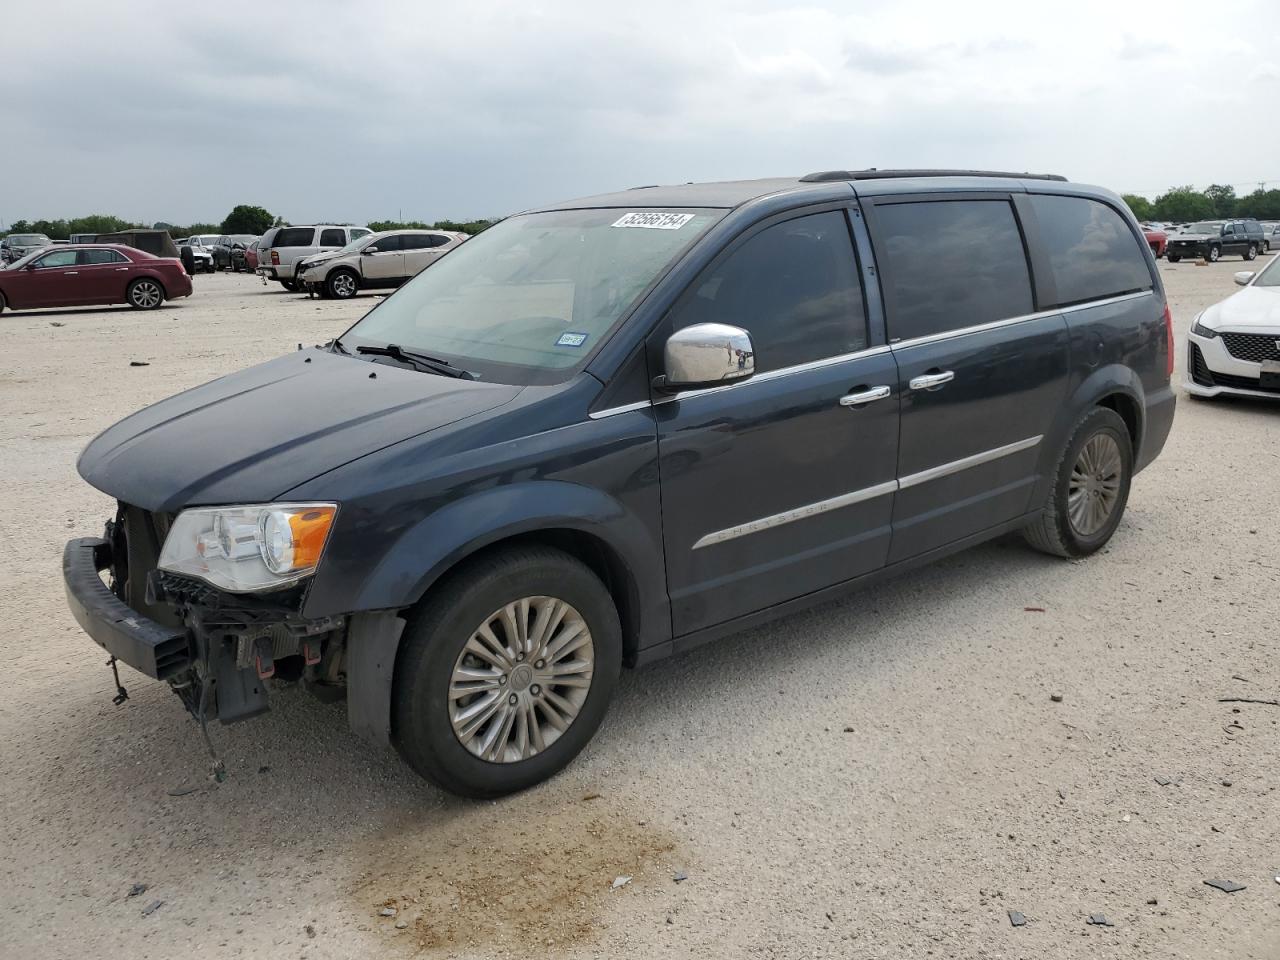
(251, 257)
(90, 274)
(1157, 239)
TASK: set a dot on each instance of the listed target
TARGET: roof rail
(823, 176)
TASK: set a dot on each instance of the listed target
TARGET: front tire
(145, 294)
(342, 285)
(1173, 258)
(289, 285)
(505, 672)
(1090, 488)
(1215, 254)
(3, 303)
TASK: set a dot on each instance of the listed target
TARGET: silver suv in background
(379, 260)
(282, 247)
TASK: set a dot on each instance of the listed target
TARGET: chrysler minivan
(609, 430)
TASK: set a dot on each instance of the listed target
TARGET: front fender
(426, 550)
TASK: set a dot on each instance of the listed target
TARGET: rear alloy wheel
(1215, 254)
(1090, 488)
(342, 285)
(1251, 253)
(505, 672)
(145, 294)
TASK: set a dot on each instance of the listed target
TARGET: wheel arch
(1114, 386)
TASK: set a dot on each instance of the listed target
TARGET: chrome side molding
(866, 493)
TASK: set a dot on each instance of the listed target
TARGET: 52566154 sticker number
(653, 220)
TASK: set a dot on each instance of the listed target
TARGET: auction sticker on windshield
(654, 220)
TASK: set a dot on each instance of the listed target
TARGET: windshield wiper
(419, 360)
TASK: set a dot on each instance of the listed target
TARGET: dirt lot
(884, 777)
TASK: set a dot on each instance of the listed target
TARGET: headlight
(1202, 331)
(249, 549)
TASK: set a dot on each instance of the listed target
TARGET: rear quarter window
(294, 237)
(1091, 249)
(951, 264)
(333, 238)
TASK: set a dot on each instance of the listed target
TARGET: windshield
(534, 294)
(27, 239)
(1270, 276)
(1205, 227)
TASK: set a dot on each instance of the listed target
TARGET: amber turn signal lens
(310, 530)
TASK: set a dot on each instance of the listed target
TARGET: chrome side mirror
(707, 355)
(1243, 277)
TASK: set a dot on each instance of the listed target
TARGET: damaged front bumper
(219, 649)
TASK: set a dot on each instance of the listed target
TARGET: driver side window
(793, 286)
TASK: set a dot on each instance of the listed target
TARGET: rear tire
(431, 726)
(3, 303)
(1252, 252)
(145, 294)
(1090, 488)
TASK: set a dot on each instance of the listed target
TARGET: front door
(420, 249)
(55, 281)
(782, 484)
(980, 372)
(386, 263)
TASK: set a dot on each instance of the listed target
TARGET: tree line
(1215, 202)
(244, 218)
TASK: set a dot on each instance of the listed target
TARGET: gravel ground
(884, 777)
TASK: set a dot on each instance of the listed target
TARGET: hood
(1252, 307)
(1194, 236)
(311, 261)
(250, 436)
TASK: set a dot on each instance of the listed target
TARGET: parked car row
(17, 245)
(281, 248)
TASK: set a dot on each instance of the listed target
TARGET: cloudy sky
(362, 111)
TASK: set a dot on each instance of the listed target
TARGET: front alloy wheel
(521, 680)
(505, 670)
(342, 285)
(1215, 253)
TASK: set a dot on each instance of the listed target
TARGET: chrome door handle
(122, 269)
(72, 273)
(929, 381)
(864, 396)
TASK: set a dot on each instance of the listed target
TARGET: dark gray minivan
(613, 429)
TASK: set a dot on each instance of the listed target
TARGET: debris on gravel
(137, 890)
(1226, 886)
(1099, 920)
(152, 907)
(139, 363)
(1163, 781)
(1017, 919)
(387, 912)
(620, 882)
(1055, 697)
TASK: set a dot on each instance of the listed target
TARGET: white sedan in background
(1234, 345)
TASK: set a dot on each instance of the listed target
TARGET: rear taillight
(1168, 332)
(275, 258)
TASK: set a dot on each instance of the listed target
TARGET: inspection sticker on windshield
(571, 340)
(654, 220)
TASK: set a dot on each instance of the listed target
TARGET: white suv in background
(379, 260)
(282, 247)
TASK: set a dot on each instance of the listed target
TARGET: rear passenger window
(1091, 249)
(294, 237)
(951, 264)
(794, 287)
(333, 238)
(416, 241)
(89, 258)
